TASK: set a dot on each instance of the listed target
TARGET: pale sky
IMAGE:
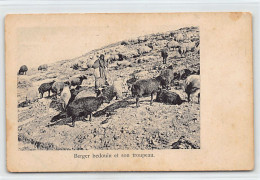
(48, 41)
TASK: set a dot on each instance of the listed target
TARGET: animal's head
(183, 85)
(163, 81)
(53, 81)
(103, 94)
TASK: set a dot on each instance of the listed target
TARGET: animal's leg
(73, 121)
(90, 116)
(151, 103)
(188, 97)
(49, 93)
(198, 98)
(137, 101)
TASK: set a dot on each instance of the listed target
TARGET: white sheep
(65, 96)
(144, 49)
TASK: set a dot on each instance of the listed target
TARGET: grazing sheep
(124, 63)
(173, 44)
(108, 92)
(43, 67)
(23, 69)
(164, 55)
(143, 50)
(31, 95)
(192, 85)
(84, 107)
(65, 96)
(57, 88)
(77, 81)
(190, 46)
(146, 87)
(168, 97)
(45, 87)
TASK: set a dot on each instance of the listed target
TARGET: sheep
(115, 90)
(84, 107)
(23, 69)
(164, 55)
(43, 67)
(45, 87)
(168, 76)
(124, 63)
(179, 37)
(189, 46)
(65, 96)
(143, 50)
(31, 95)
(173, 44)
(146, 87)
(168, 97)
(77, 81)
(141, 75)
(142, 39)
(57, 87)
(192, 85)
(182, 50)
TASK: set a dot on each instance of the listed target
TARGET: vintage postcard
(129, 92)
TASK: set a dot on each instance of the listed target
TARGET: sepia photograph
(138, 93)
(126, 89)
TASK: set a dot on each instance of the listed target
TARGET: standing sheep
(65, 96)
(77, 81)
(84, 107)
(43, 67)
(192, 85)
(23, 69)
(45, 87)
(182, 50)
(146, 87)
(57, 88)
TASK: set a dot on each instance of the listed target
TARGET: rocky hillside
(120, 125)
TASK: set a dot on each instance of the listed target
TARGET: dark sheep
(146, 87)
(168, 97)
(43, 67)
(164, 55)
(168, 76)
(45, 87)
(23, 69)
(192, 85)
(77, 81)
(84, 107)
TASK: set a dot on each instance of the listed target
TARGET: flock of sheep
(75, 105)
